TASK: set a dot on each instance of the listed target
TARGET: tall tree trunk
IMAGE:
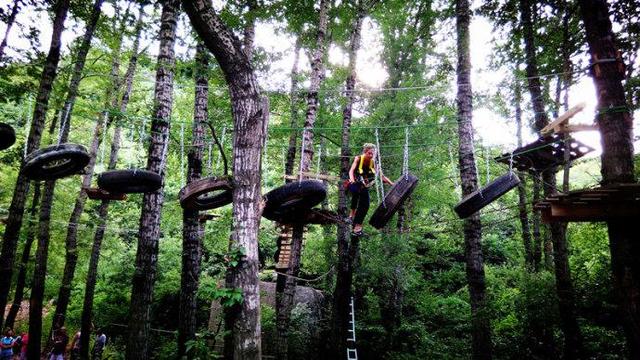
(615, 122)
(10, 21)
(147, 253)
(103, 210)
(536, 223)
(24, 260)
(16, 210)
(250, 117)
(345, 264)
(293, 94)
(481, 331)
(522, 192)
(191, 235)
(285, 305)
(564, 285)
(71, 257)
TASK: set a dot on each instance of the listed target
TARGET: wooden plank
(594, 212)
(310, 175)
(579, 127)
(562, 119)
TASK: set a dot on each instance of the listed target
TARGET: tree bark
(564, 285)
(285, 293)
(615, 123)
(536, 223)
(10, 21)
(71, 257)
(250, 29)
(24, 260)
(147, 252)
(16, 210)
(346, 263)
(481, 331)
(191, 234)
(250, 117)
(293, 94)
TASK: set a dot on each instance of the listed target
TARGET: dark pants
(359, 201)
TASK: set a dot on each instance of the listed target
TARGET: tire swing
(129, 181)
(55, 162)
(291, 202)
(7, 136)
(210, 192)
(399, 192)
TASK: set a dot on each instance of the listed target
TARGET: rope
(302, 156)
(182, 176)
(318, 162)
(224, 132)
(103, 143)
(28, 126)
(63, 121)
(405, 164)
(379, 169)
(209, 159)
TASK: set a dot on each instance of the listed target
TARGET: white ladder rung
(352, 354)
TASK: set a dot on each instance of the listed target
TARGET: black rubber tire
(129, 181)
(289, 202)
(197, 195)
(7, 136)
(400, 191)
(484, 196)
(55, 162)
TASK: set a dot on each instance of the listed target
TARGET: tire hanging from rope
(211, 192)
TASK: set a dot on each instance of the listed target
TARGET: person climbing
(361, 176)
(6, 345)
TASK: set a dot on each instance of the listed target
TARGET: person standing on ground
(23, 347)
(75, 346)
(6, 345)
(98, 347)
(361, 176)
(60, 340)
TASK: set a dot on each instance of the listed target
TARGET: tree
(24, 260)
(287, 283)
(615, 123)
(250, 116)
(481, 331)
(10, 20)
(347, 251)
(103, 210)
(564, 286)
(149, 235)
(65, 125)
(22, 185)
(191, 235)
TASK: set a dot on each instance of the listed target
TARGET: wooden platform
(599, 204)
(544, 153)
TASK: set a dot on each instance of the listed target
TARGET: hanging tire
(288, 203)
(400, 191)
(207, 193)
(130, 181)
(486, 195)
(7, 136)
(55, 162)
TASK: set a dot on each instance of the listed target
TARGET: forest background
(410, 287)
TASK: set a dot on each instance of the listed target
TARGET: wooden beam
(579, 127)
(594, 211)
(562, 120)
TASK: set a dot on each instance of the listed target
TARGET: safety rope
(209, 162)
(318, 161)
